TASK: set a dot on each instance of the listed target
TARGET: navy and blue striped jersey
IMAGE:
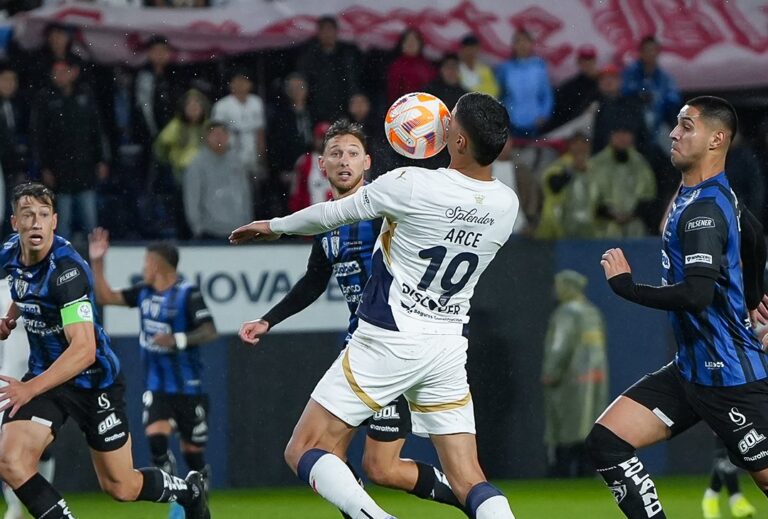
(716, 347)
(40, 291)
(180, 308)
(348, 251)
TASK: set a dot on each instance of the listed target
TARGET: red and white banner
(707, 43)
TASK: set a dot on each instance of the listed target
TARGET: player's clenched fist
(252, 331)
(614, 263)
(6, 325)
(257, 230)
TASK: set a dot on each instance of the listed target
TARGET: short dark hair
(451, 56)
(33, 190)
(345, 127)
(156, 39)
(166, 250)
(215, 123)
(712, 107)
(648, 39)
(486, 123)
(328, 20)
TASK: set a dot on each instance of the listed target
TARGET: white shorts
(379, 365)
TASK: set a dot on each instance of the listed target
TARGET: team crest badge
(479, 199)
(335, 242)
(619, 491)
(21, 287)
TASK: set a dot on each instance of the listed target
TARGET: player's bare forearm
(104, 293)
(76, 358)
(206, 332)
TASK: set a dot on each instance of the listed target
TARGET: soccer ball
(416, 125)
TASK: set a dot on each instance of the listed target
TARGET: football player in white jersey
(14, 355)
(441, 230)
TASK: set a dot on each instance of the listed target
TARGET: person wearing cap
(626, 186)
(612, 107)
(244, 114)
(574, 375)
(475, 76)
(576, 94)
(216, 188)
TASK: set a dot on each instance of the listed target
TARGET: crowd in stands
(191, 151)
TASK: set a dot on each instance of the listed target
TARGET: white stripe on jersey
(441, 231)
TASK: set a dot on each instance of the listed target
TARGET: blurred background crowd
(192, 150)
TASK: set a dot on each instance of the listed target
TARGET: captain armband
(79, 311)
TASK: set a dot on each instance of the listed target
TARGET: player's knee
(604, 446)
(15, 468)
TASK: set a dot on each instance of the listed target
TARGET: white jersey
(441, 230)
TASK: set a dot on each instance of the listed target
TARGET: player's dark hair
(345, 127)
(33, 190)
(166, 250)
(486, 123)
(711, 107)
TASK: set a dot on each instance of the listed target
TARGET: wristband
(181, 340)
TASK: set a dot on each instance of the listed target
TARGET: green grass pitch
(537, 499)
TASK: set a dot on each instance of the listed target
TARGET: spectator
(576, 94)
(446, 85)
(289, 137)
(309, 183)
(243, 113)
(746, 176)
(331, 68)
(180, 140)
(410, 71)
(525, 88)
(521, 179)
(626, 187)
(660, 96)
(58, 47)
(214, 180)
(614, 108)
(574, 375)
(13, 129)
(475, 75)
(360, 111)
(70, 146)
(570, 194)
(156, 93)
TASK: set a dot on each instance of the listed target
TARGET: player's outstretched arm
(257, 230)
(251, 332)
(98, 245)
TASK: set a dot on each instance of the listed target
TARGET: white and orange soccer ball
(416, 125)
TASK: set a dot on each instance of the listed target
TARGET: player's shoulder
(10, 250)
(64, 256)
(188, 287)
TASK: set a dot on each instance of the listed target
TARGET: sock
(162, 487)
(162, 457)
(728, 474)
(624, 473)
(42, 500)
(332, 479)
(484, 501)
(709, 494)
(432, 484)
(715, 483)
(355, 473)
(195, 460)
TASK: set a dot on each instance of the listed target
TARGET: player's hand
(164, 340)
(759, 316)
(258, 231)
(252, 331)
(14, 395)
(98, 243)
(7, 324)
(614, 263)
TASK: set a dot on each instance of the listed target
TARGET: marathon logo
(114, 437)
(698, 258)
(700, 222)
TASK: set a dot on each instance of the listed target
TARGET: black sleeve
(68, 283)
(692, 295)
(753, 256)
(703, 234)
(197, 311)
(306, 290)
(131, 294)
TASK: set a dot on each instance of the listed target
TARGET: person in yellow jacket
(181, 139)
(569, 194)
(474, 75)
(574, 375)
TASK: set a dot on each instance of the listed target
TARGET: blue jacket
(664, 96)
(525, 91)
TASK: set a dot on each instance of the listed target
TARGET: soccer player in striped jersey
(346, 253)
(175, 322)
(73, 372)
(720, 372)
(441, 229)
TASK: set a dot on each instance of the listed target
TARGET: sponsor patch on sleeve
(67, 276)
(700, 222)
(698, 258)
